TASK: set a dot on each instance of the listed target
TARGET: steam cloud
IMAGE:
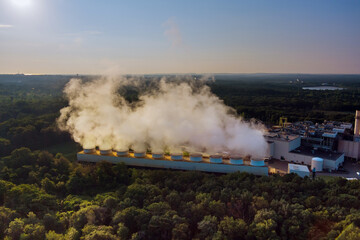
(170, 115)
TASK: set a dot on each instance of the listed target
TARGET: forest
(46, 194)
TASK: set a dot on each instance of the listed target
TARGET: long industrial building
(196, 162)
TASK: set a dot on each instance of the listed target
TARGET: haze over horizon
(149, 37)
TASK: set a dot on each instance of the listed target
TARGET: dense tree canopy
(54, 197)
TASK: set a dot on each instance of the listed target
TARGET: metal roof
(297, 167)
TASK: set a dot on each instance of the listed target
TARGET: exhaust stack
(216, 158)
(89, 150)
(196, 157)
(105, 151)
(236, 160)
(139, 154)
(157, 155)
(177, 156)
(357, 124)
(122, 152)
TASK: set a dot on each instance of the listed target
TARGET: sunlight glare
(22, 3)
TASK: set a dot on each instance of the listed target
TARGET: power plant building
(288, 148)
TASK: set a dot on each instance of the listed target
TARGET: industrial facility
(322, 147)
(216, 163)
(289, 148)
(304, 145)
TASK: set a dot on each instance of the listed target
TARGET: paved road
(350, 166)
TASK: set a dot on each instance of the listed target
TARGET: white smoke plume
(170, 115)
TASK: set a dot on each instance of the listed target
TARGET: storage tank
(215, 158)
(122, 152)
(236, 160)
(139, 154)
(89, 150)
(105, 151)
(157, 155)
(317, 163)
(196, 157)
(257, 162)
(176, 156)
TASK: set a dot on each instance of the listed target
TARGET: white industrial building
(288, 148)
(300, 170)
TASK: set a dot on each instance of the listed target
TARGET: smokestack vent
(177, 156)
(157, 155)
(257, 162)
(236, 160)
(216, 158)
(122, 153)
(139, 154)
(196, 157)
(89, 150)
(105, 151)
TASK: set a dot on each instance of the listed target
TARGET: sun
(22, 3)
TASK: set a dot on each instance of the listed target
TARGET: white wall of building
(283, 147)
(350, 148)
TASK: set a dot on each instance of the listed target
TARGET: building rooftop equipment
(283, 137)
(330, 134)
(329, 155)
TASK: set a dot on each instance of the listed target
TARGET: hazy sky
(195, 36)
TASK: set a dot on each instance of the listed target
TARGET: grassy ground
(68, 149)
(326, 178)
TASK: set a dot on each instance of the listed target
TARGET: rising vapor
(170, 115)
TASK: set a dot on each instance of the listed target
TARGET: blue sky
(250, 36)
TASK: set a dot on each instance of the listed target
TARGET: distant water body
(323, 88)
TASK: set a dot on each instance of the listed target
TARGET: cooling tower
(216, 158)
(157, 155)
(176, 156)
(257, 162)
(196, 157)
(105, 151)
(89, 150)
(122, 152)
(236, 160)
(139, 154)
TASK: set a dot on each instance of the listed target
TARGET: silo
(122, 152)
(215, 158)
(139, 154)
(236, 160)
(89, 150)
(157, 155)
(105, 151)
(176, 156)
(317, 163)
(196, 157)
(257, 162)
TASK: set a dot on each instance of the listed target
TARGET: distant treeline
(269, 97)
